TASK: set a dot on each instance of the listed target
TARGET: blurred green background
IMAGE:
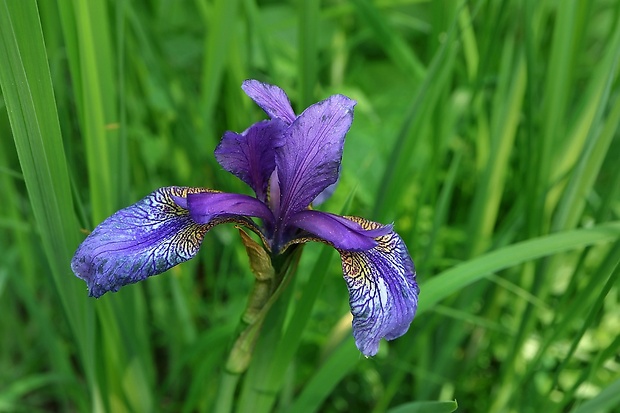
(486, 130)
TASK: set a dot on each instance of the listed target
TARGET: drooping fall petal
(206, 206)
(309, 159)
(383, 292)
(139, 241)
(341, 232)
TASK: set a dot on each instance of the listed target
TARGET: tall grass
(487, 131)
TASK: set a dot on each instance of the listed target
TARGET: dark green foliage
(487, 131)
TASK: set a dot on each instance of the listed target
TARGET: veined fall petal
(340, 232)
(206, 206)
(139, 241)
(383, 292)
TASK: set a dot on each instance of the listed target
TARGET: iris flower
(288, 161)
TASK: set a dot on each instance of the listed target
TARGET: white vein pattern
(139, 241)
(382, 288)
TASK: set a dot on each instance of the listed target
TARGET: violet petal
(309, 159)
(206, 206)
(325, 194)
(383, 292)
(251, 155)
(139, 241)
(271, 99)
(339, 231)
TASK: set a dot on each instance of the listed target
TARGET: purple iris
(288, 161)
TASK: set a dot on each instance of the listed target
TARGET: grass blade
(452, 280)
(27, 89)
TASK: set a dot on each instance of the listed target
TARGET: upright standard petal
(325, 194)
(308, 161)
(251, 155)
(382, 289)
(142, 240)
(271, 99)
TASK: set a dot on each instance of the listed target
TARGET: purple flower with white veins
(288, 161)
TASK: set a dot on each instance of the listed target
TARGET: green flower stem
(226, 392)
(261, 266)
(241, 354)
(272, 277)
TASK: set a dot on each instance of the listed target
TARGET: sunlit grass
(486, 131)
